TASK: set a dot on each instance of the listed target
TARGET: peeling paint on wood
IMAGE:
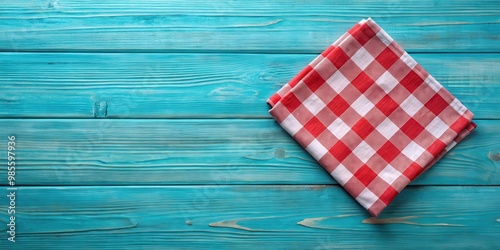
(232, 224)
(405, 220)
(315, 222)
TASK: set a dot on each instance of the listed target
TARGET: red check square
(387, 105)
(412, 81)
(338, 105)
(338, 57)
(388, 151)
(387, 58)
(315, 127)
(291, 102)
(313, 80)
(412, 128)
(340, 151)
(363, 128)
(363, 35)
(436, 104)
(365, 175)
(362, 82)
(389, 194)
(413, 171)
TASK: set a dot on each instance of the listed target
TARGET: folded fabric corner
(370, 115)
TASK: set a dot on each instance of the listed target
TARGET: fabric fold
(370, 115)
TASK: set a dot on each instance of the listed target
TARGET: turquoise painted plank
(206, 151)
(242, 217)
(253, 26)
(151, 85)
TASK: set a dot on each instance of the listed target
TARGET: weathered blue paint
(203, 151)
(143, 125)
(194, 85)
(293, 26)
(244, 217)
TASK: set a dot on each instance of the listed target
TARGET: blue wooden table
(143, 125)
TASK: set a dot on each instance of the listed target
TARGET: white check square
(387, 128)
(341, 174)
(362, 105)
(291, 125)
(363, 151)
(437, 127)
(408, 60)
(314, 104)
(362, 58)
(413, 151)
(338, 128)
(366, 198)
(387, 82)
(338, 81)
(384, 37)
(458, 106)
(411, 105)
(431, 82)
(316, 149)
(389, 174)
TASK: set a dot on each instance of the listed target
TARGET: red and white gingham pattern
(370, 115)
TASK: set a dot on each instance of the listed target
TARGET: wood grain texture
(156, 85)
(184, 154)
(205, 151)
(292, 26)
(241, 217)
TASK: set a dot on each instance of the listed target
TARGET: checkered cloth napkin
(370, 115)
